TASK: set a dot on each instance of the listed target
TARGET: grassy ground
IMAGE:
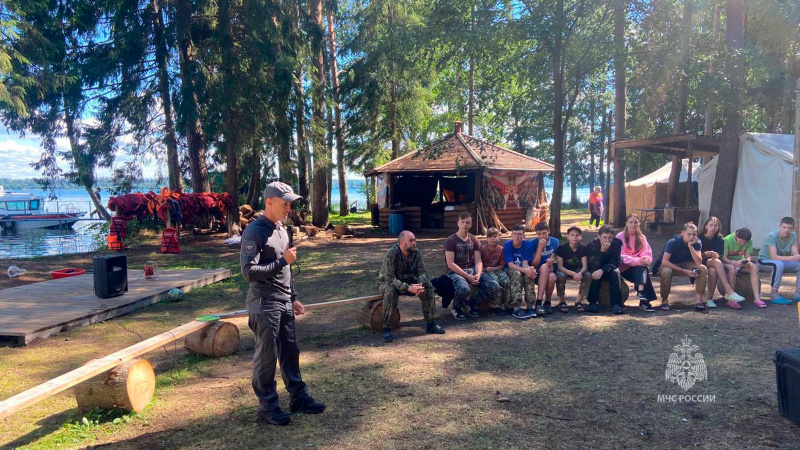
(572, 379)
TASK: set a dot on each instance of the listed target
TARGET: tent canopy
(763, 192)
(650, 191)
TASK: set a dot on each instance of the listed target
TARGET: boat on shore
(20, 211)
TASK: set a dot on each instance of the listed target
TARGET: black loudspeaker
(110, 275)
(787, 371)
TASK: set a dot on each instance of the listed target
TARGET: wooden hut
(457, 173)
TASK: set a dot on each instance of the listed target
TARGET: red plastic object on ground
(169, 241)
(64, 273)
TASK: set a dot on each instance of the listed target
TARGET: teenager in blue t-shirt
(517, 253)
(544, 248)
(682, 255)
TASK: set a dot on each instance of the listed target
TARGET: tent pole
(689, 154)
(796, 172)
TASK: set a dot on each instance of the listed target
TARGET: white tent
(651, 189)
(763, 192)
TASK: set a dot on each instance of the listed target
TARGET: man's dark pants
(274, 333)
(614, 290)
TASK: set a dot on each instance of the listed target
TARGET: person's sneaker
(780, 301)
(592, 308)
(644, 305)
(520, 314)
(617, 309)
(433, 328)
(306, 405)
(387, 335)
(641, 297)
(548, 309)
(474, 312)
(274, 417)
(540, 309)
(458, 314)
(710, 303)
(734, 297)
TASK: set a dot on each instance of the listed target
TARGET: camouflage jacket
(399, 271)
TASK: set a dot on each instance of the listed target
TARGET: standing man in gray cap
(272, 304)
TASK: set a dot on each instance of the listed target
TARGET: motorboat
(19, 211)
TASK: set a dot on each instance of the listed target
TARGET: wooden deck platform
(43, 309)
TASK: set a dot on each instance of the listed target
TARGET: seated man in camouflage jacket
(402, 273)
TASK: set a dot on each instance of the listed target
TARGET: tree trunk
(85, 173)
(711, 107)
(558, 130)
(162, 60)
(254, 186)
(620, 71)
(303, 157)
(228, 115)
(219, 339)
(471, 105)
(728, 162)
(573, 175)
(601, 153)
(393, 91)
(679, 122)
(591, 147)
(321, 162)
(344, 205)
(129, 386)
(190, 105)
(786, 100)
(607, 149)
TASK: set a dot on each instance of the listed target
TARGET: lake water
(86, 235)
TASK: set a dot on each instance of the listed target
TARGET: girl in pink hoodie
(636, 257)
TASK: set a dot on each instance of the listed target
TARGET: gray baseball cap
(282, 190)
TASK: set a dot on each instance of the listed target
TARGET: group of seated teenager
(518, 277)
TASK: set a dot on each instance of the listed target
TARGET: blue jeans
(469, 294)
(778, 268)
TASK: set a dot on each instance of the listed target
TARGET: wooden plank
(98, 366)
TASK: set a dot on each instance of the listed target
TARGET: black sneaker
(274, 417)
(540, 309)
(520, 314)
(548, 309)
(306, 405)
(474, 312)
(618, 309)
(644, 305)
(531, 312)
(432, 328)
(458, 314)
(641, 297)
(387, 335)
(592, 308)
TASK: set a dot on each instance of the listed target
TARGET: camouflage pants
(518, 286)
(499, 295)
(391, 293)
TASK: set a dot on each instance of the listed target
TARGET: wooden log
(63, 382)
(220, 339)
(604, 297)
(370, 314)
(129, 386)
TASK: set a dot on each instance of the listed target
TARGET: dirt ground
(572, 380)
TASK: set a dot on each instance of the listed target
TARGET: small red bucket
(64, 273)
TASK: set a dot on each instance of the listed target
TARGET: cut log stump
(370, 314)
(129, 386)
(220, 339)
(604, 297)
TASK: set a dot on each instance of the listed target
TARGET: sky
(17, 153)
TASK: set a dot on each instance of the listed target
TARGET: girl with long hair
(718, 272)
(636, 258)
